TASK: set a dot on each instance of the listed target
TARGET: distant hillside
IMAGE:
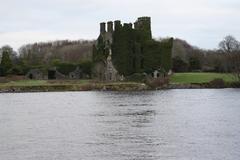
(182, 49)
(187, 57)
(64, 51)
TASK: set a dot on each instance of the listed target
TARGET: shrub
(158, 82)
(2, 71)
(86, 67)
(137, 77)
(179, 65)
(234, 85)
(217, 83)
(16, 70)
(66, 68)
(194, 64)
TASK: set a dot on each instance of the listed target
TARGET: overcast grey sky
(202, 23)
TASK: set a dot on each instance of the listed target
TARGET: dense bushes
(217, 83)
(66, 68)
(137, 77)
(234, 84)
(179, 65)
(16, 70)
(86, 67)
(2, 73)
(158, 82)
(194, 64)
(220, 83)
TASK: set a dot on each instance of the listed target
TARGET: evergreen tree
(1, 71)
(6, 63)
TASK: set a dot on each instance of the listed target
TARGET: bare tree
(229, 44)
(66, 51)
(231, 48)
(235, 60)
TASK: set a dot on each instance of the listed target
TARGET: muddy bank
(203, 86)
(110, 87)
(85, 87)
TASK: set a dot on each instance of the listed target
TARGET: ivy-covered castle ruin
(124, 49)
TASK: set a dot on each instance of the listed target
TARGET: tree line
(224, 59)
(185, 57)
(44, 55)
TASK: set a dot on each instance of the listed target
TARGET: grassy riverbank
(198, 78)
(43, 83)
(67, 85)
(177, 81)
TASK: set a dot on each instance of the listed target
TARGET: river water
(166, 125)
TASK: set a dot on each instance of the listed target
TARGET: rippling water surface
(166, 125)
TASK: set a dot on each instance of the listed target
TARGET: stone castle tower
(143, 25)
(105, 69)
(125, 49)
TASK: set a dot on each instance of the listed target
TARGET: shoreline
(16, 84)
(127, 86)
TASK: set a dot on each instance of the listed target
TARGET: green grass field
(67, 85)
(177, 78)
(187, 78)
(43, 82)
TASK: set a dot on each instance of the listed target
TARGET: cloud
(17, 39)
(201, 22)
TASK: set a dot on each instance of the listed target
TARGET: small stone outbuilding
(54, 74)
(160, 73)
(76, 74)
(35, 74)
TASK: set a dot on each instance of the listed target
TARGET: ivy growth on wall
(134, 50)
